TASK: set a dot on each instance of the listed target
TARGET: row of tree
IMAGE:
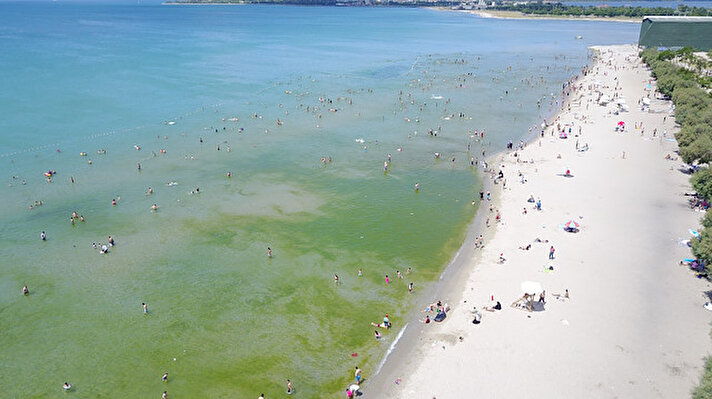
(693, 111)
(539, 8)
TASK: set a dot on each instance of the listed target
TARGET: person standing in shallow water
(269, 252)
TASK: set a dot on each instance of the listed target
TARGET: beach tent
(572, 226)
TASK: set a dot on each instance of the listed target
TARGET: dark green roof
(669, 32)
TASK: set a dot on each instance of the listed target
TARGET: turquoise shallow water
(226, 321)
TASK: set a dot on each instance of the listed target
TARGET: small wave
(391, 348)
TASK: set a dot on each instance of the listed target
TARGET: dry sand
(634, 326)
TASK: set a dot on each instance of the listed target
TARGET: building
(676, 32)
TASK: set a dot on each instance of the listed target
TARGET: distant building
(676, 32)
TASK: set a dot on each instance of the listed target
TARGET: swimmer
(43, 236)
(25, 291)
(165, 377)
(111, 241)
(154, 208)
(67, 386)
(113, 202)
(398, 273)
(336, 278)
(165, 395)
(81, 219)
(104, 249)
(229, 174)
(150, 191)
(360, 273)
(357, 375)
(410, 270)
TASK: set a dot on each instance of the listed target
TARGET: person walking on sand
(357, 375)
(551, 252)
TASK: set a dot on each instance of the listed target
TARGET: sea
(304, 130)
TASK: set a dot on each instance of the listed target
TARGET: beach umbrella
(531, 287)
(621, 123)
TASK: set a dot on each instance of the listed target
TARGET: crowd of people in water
(412, 106)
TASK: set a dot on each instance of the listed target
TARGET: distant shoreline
(500, 14)
(486, 13)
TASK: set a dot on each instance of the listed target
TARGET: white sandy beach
(634, 326)
(501, 14)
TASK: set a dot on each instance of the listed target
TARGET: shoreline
(435, 353)
(454, 276)
(500, 14)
